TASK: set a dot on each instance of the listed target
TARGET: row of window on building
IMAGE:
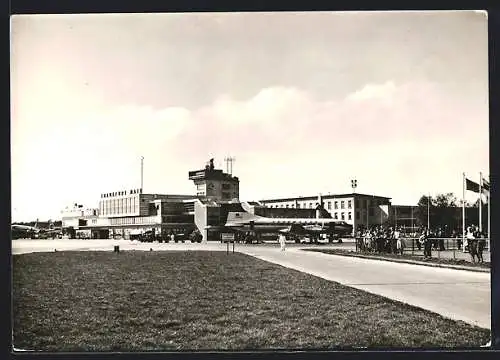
(349, 215)
(311, 205)
(336, 204)
(343, 214)
(137, 220)
(129, 205)
(151, 220)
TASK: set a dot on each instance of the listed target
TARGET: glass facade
(127, 205)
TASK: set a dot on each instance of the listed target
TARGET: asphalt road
(457, 294)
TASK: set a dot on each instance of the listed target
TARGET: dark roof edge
(329, 196)
(173, 195)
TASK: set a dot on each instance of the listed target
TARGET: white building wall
(333, 205)
(72, 214)
(70, 222)
(200, 219)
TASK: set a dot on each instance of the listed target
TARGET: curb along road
(406, 261)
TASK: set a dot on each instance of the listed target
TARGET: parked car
(196, 237)
(147, 236)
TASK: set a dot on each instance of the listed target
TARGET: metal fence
(446, 248)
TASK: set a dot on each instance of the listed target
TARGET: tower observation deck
(214, 184)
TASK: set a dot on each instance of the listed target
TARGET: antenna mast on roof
(229, 164)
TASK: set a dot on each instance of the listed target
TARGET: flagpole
(412, 220)
(428, 206)
(480, 201)
(489, 215)
(463, 209)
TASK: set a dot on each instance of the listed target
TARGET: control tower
(214, 184)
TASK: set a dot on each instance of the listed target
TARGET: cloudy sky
(304, 102)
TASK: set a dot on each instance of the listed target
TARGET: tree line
(446, 210)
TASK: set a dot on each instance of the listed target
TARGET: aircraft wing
(314, 227)
(52, 230)
(243, 220)
(23, 227)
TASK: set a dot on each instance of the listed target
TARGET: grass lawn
(433, 259)
(140, 301)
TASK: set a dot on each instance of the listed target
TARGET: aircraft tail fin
(235, 217)
(297, 229)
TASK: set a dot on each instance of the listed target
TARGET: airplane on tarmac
(247, 222)
(34, 232)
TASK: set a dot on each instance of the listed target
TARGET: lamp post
(142, 172)
(412, 219)
(354, 185)
(395, 218)
(428, 212)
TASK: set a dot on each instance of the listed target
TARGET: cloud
(374, 91)
(285, 140)
(291, 121)
(385, 133)
(266, 107)
(277, 120)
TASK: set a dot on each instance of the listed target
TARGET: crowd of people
(381, 239)
(393, 240)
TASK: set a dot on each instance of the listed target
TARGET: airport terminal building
(77, 221)
(355, 209)
(129, 213)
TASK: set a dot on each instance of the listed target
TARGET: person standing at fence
(420, 240)
(457, 236)
(394, 241)
(468, 238)
(399, 242)
(366, 240)
(428, 245)
(441, 235)
(426, 242)
(481, 245)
